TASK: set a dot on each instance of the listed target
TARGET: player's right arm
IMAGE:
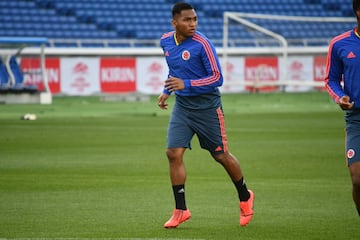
(345, 104)
(334, 76)
(162, 101)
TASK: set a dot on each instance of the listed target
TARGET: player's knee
(220, 158)
(355, 175)
(170, 154)
(173, 155)
(356, 183)
(216, 157)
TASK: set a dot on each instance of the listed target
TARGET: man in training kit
(343, 64)
(194, 78)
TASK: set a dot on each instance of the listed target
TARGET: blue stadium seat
(111, 19)
(4, 78)
(18, 86)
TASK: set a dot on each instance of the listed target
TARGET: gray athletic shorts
(352, 147)
(208, 125)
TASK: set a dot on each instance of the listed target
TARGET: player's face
(185, 24)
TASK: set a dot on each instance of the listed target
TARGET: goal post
(270, 41)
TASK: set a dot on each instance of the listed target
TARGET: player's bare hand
(162, 101)
(174, 84)
(345, 104)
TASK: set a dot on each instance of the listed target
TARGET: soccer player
(194, 78)
(343, 64)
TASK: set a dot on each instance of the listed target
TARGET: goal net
(277, 52)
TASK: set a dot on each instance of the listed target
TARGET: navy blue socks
(179, 195)
(242, 190)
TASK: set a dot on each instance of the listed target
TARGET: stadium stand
(11, 74)
(18, 85)
(95, 22)
(4, 78)
(12, 78)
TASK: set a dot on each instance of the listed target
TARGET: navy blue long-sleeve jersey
(343, 64)
(195, 62)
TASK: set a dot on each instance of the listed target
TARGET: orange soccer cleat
(247, 210)
(178, 216)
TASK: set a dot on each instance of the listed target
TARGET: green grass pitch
(89, 169)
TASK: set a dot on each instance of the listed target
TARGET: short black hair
(180, 6)
(356, 5)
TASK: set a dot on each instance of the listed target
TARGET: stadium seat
(110, 19)
(18, 86)
(4, 78)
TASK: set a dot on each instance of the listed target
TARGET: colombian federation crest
(350, 153)
(185, 55)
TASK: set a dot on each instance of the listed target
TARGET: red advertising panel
(319, 70)
(260, 70)
(118, 75)
(32, 73)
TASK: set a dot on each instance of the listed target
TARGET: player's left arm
(210, 62)
(213, 78)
